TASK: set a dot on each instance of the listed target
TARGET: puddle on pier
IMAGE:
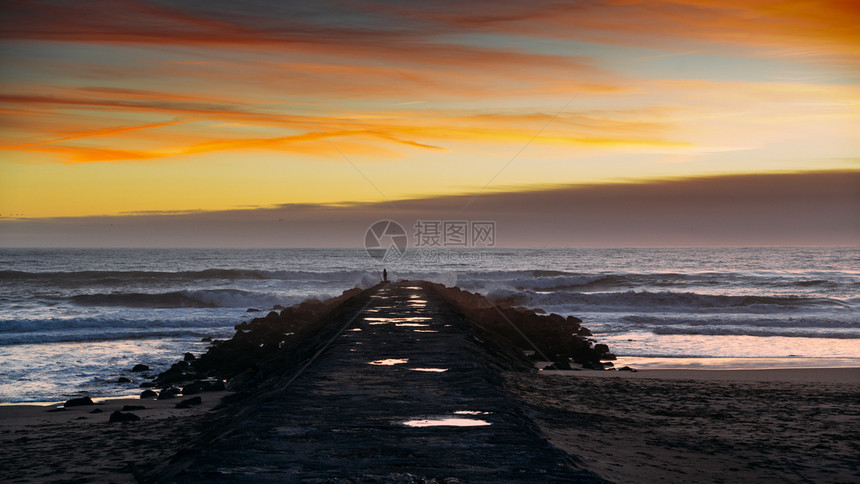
(417, 302)
(378, 309)
(446, 422)
(389, 362)
(407, 321)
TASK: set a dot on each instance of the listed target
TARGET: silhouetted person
(384, 275)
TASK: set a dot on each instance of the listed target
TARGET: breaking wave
(651, 301)
(114, 277)
(203, 298)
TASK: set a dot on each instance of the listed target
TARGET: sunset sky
(124, 110)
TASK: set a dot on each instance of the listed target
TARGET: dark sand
(793, 425)
(78, 446)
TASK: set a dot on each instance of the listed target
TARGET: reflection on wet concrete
(446, 422)
(389, 361)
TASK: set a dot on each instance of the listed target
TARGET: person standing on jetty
(384, 275)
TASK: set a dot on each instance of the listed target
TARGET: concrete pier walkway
(403, 394)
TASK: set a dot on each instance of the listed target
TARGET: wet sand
(795, 425)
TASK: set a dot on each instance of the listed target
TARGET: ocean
(72, 321)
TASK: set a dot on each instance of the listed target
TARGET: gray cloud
(816, 208)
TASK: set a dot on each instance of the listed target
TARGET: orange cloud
(88, 134)
(84, 154)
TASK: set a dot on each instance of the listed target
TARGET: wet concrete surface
(404, 393)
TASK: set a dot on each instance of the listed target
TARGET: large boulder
(140, 367)
(194, 388)
(168, 393)
(78, 402)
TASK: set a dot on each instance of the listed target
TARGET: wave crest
(201, 298)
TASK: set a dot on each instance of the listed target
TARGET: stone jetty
(395, 384)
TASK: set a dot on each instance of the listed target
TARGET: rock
(132, 408)
(559, 365)
(148, 394)
(593, 365)
(193, 388)
(123, 417)
(206, 339)
(252, 310)
(168, 393)
(189, 357)
(608, 356)
(601, 348)
(173, 375)
(123, 379)
(78, 402)
(140, 367)
(627, 368)
(187, 403)
(217, 386)
(147, 384)
(96, 410)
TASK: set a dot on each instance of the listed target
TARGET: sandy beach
(77, 445)
(794, 425)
